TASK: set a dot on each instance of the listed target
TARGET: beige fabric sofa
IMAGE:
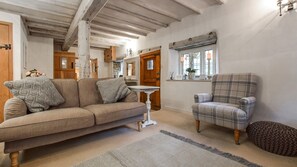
(82, 113)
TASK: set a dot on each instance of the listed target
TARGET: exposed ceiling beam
(42, 6)
(87, 10)
(93, 47)
(114, 19)
(48, 36)
(106, 41)
(137, 15)
(221, 2)
(154, 9)
(32, 12)
(117, 28)
(188, 6)
(47, 27)
(60, 3)
(97, 30)
(47, 21)
(25, 25)
(49, 32)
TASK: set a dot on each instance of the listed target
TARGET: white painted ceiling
(117, 22)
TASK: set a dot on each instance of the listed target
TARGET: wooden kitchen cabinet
(110, 54)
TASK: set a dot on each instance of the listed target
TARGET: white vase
(191, 75)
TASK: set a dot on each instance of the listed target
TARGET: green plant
(190, 70)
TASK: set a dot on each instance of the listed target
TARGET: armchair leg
(236, 136)
(198, 126)
(14, 157)
(139, 126)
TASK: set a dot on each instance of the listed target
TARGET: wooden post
(14, 157)
(198, 126)
(84, 49)
(236, 136)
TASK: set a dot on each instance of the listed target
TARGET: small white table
(148, 90)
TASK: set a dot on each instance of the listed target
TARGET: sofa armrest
(14, 107)
(132, 97)
(202, 97)
(247, 104)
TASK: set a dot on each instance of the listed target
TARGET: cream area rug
(166, 150)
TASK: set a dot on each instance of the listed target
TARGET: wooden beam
(155, 9)
(137, 15)
(120, 21)
(93, 47)
(88, 10)
(32, 12)
(47, 21)
(47, 36)
(84, 49)
(113, 33)
(106, 41)
(25, 24)
(188, 6)
(52, 8)
(50, 32)
(47, 27)
(117, 28)
(220, 2)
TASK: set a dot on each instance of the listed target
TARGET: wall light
(285, 3)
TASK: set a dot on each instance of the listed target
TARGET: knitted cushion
(274, 137)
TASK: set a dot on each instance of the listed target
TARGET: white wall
(19, 40)
(251, 38)
(41, 55)
(104, 69)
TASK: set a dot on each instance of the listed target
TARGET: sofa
(83, 112)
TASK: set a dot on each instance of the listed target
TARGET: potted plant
(191, 73)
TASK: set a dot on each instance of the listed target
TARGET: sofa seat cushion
(44, 123)
(223, 114)
(105, 113)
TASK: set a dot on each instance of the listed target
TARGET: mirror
(63, 63)
(131, 69)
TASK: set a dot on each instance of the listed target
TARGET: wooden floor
(76, 150)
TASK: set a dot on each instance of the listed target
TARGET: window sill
(187, 80)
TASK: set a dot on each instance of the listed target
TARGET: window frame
(203, 55)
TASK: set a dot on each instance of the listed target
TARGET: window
(202, 59)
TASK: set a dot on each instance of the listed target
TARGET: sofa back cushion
(88, 92)
(230, 88)
(69, 90)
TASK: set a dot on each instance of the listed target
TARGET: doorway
(5, 63)
(150, 73)
(94, 68)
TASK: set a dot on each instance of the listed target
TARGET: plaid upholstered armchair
(231, 103)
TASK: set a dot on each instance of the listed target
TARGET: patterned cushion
(113, 90)
(39, 93)
(223, 114)
(230, 88)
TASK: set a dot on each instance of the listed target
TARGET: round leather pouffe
(274, 137)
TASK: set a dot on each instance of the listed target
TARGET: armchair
(231, 103)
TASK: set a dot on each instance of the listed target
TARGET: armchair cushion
(222, 114)
(202, 97)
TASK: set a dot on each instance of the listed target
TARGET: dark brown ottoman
(274, 137)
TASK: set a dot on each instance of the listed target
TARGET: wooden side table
(148, 90)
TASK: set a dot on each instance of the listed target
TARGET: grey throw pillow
(39, 93)
(112, 90)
